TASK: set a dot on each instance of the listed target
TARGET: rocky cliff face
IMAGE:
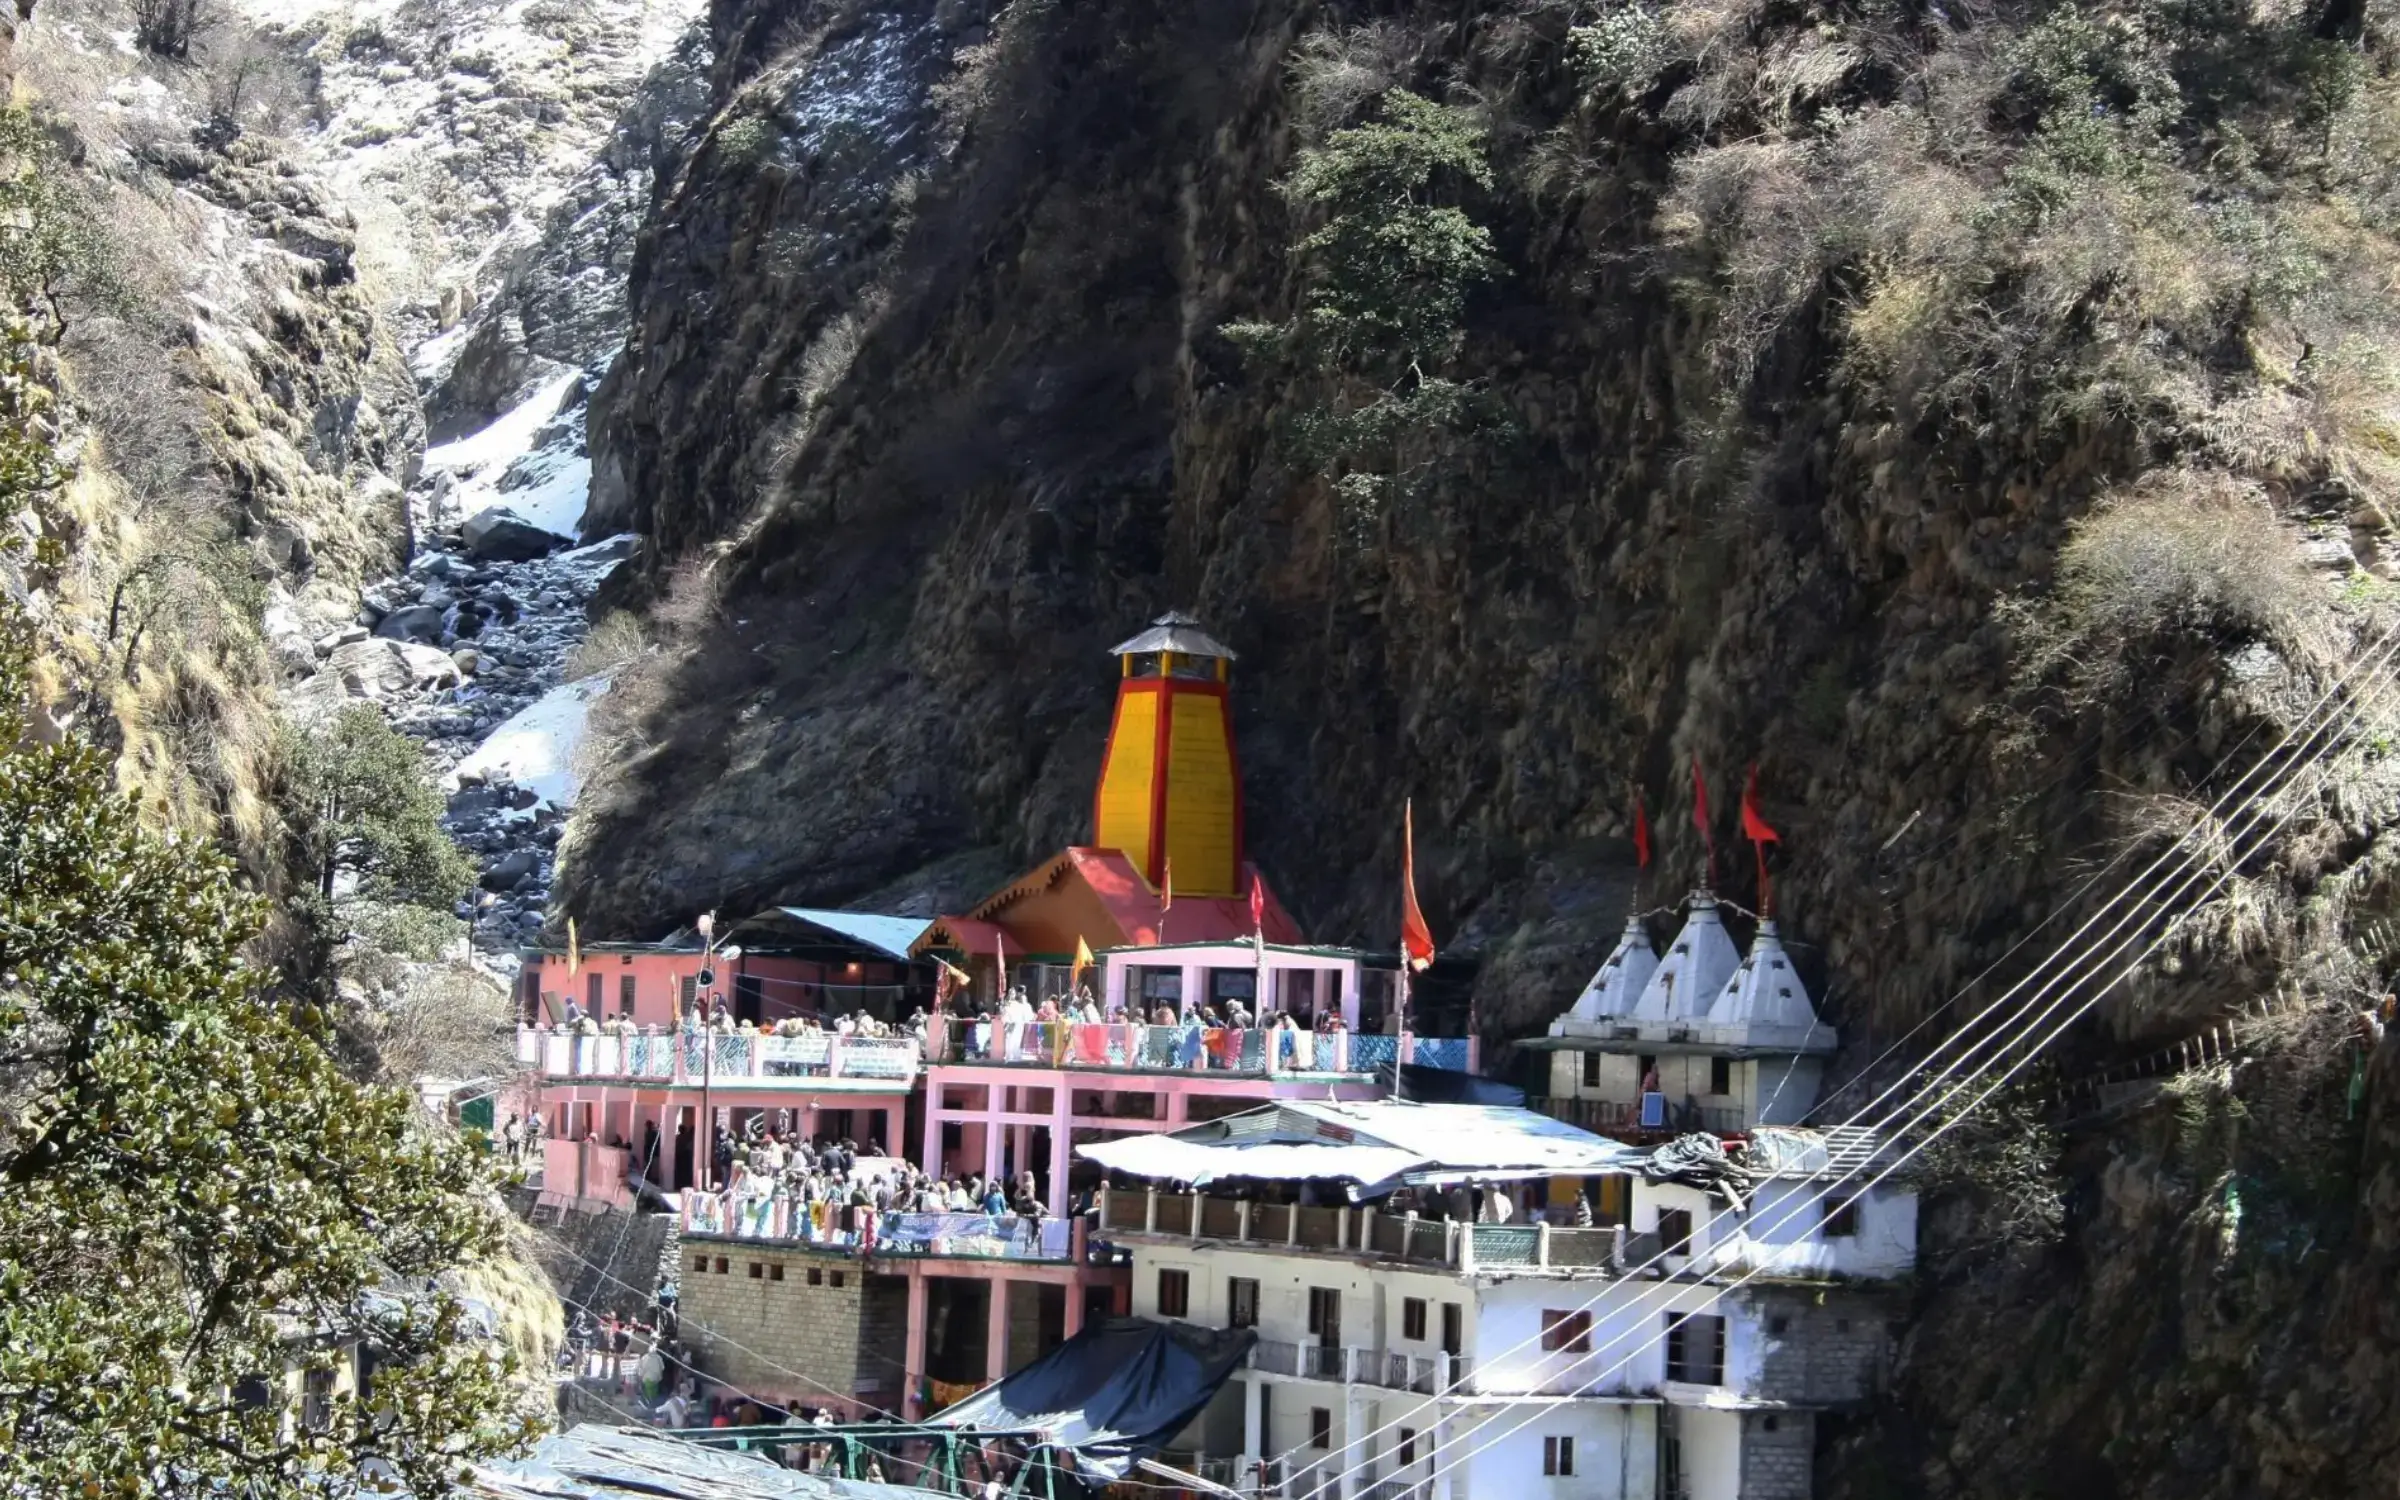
(927, 400)
(947, 390)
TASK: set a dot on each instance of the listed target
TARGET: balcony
(865, 1232)
(691, 1058)
(1132, 1047)
(1621, 1118)
(1515, 1249)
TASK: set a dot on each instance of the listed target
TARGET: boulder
(503, 535)
(413, 622)
(428, 666)
(464, 659)
(509, 871)
(328, 644)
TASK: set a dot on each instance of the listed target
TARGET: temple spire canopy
(1177, 632)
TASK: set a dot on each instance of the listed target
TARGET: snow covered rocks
(501, 535)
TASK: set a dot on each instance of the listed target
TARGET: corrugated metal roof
(1370, 1143)
(887, 935)
(1177, 632)
(618, 1463)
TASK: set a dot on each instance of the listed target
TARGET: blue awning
(890, 936)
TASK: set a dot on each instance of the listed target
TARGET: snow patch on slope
(528, 462)
(536, 747)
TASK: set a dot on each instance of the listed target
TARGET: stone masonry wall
(1778, 1455)
(788, 1324)
(1825, 1347)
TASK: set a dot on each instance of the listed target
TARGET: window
(700, 1265)
(625, 994)
(1241, 1302)
(1558, 1457)
(691, 990)
(1770, 1423)
(1412, 1318)
(1162, 985)
(251, 1393)
(591, 994)
(816, 1277)
(774, 1273)
(1453, 1338)
(1647, 1070)
(1779, 1325)
(1320, 1427)
(749, 995)
(1840, 1221)
(758, 1271)
(1591, 1070)
(1174, 1294)
(364, 1361)
(1232, 984)
(1696, 1349)
(1325, 1314)
(1408, 1446)
(721, 1266)
(1566, 1332)
(316, 1400)
(839, 1281)
(1720, 1075)
(1674, 1231)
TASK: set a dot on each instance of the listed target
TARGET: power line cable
(2391, 642)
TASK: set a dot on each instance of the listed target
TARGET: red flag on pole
(1641, 833)
(1755, 829)
(1258, 904)
(1416, 938)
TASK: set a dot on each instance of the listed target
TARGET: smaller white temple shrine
(1701, 1037)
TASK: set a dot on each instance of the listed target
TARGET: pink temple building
(905, 1310)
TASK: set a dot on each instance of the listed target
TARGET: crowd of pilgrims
(773, 1163)
(1016, 1008)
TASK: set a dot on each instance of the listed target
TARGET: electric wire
(2378, 657)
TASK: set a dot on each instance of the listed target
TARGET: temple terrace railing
(866, 1231)
(1190, 1047)
(727, 1058)
(1363, 1232)
(1653, 1113)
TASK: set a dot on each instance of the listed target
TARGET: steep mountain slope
(1979, 418)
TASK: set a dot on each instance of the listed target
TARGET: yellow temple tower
(1169, 783)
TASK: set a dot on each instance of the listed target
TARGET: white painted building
(1679, 1349)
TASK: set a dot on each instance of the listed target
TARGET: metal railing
(867, 1231)
(1188, 1047)
(1367, 1233)
(732, 1058)
(1617, 1116)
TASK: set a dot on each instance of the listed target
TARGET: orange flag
(1416, 939)
(1083, 961)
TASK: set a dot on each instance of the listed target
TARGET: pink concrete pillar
(931, 1161)
(1075, 1295)
(1062, 1136)
(1020, 1146)
(912, 1355)
(995, 1099)
(1179, 1109)
(995, 1331)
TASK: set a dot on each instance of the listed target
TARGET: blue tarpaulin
(1114, 1394)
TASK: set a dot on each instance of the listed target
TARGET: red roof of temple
(1125, 900)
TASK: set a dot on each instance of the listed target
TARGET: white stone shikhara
(1622, 978)
(1694, 971)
